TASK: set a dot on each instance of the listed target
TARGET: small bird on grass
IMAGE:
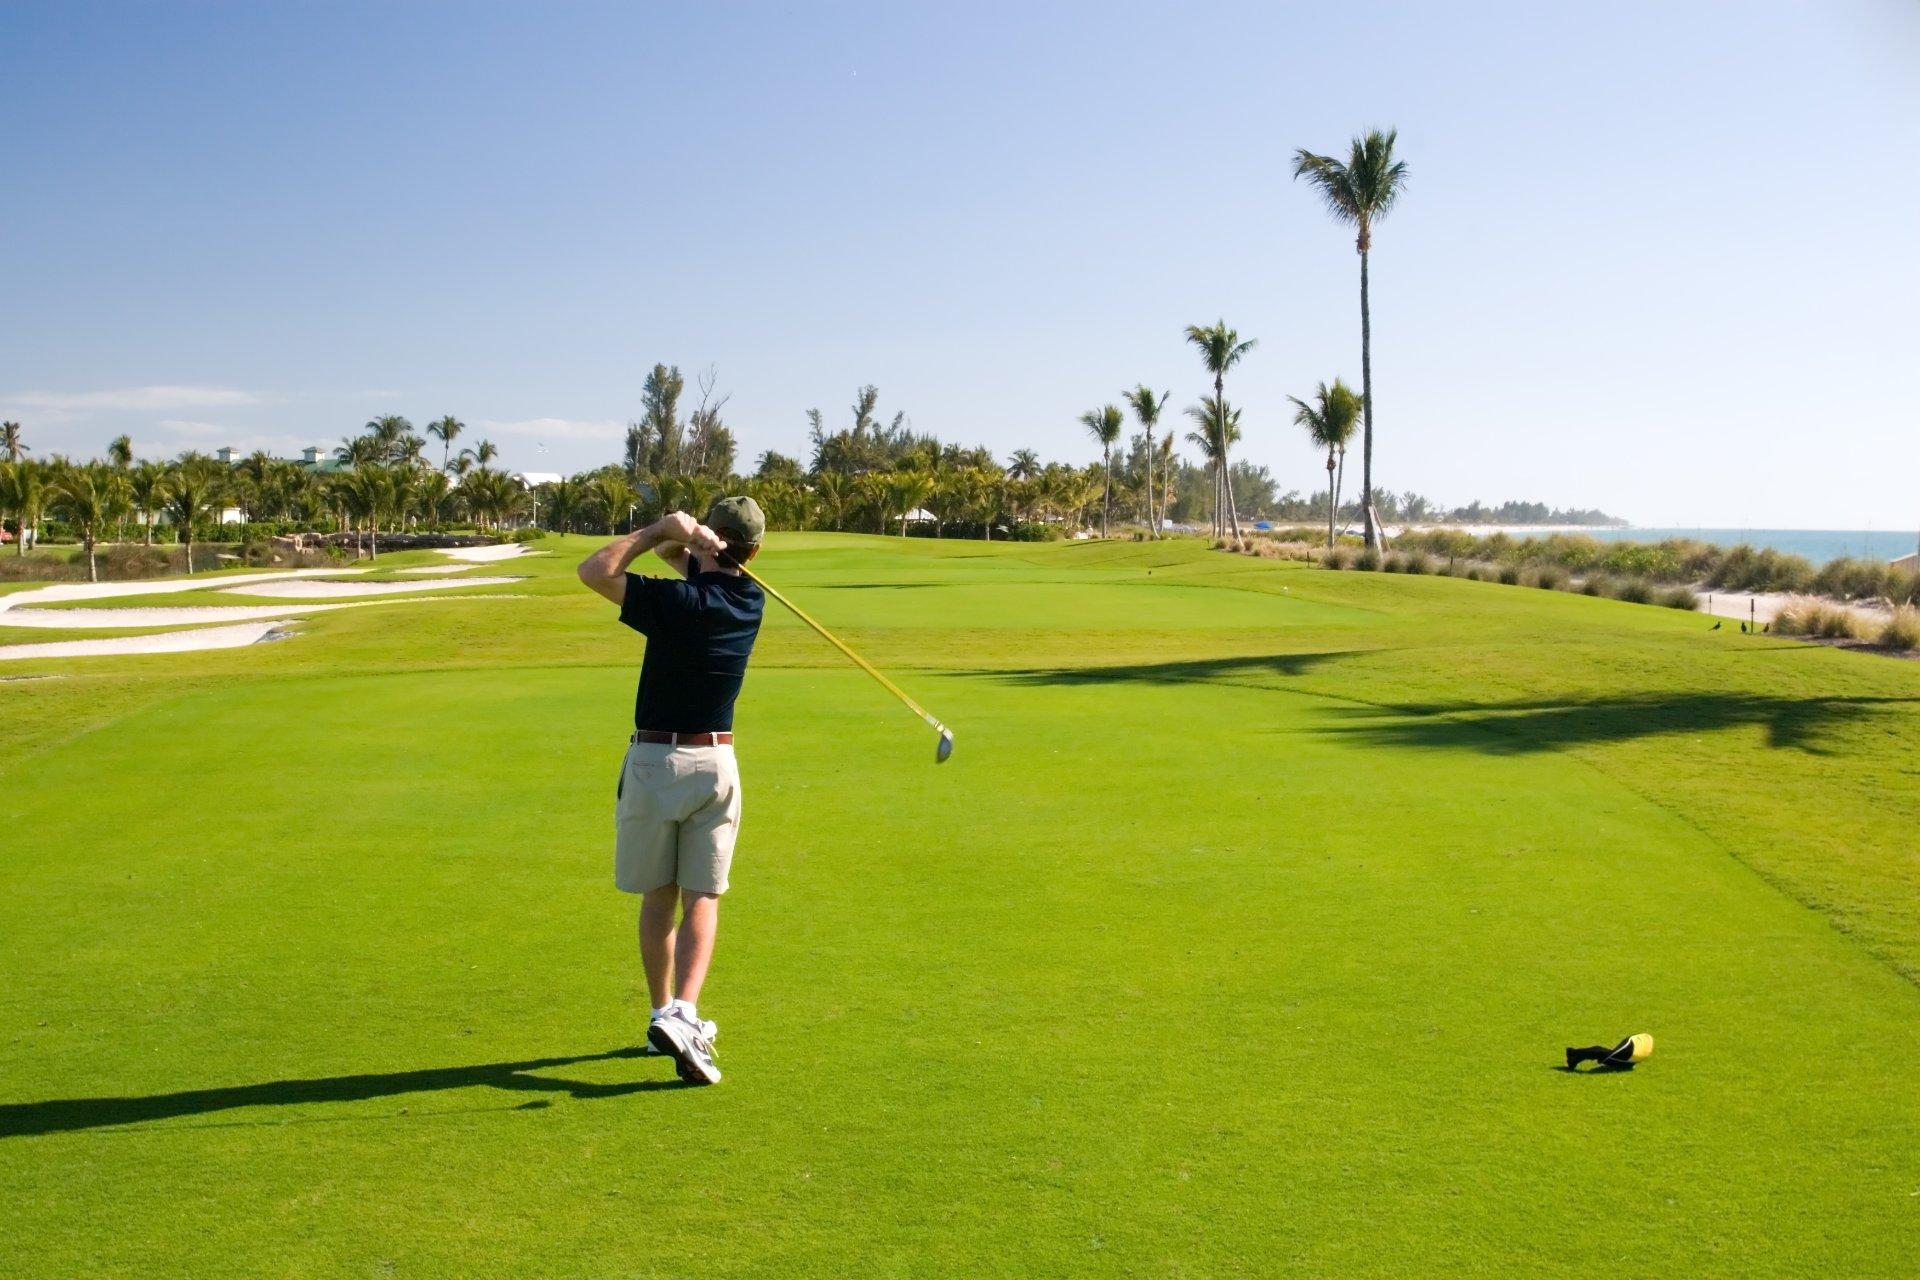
(1621, 1057)
(1714, 627)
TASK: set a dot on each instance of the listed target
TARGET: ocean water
(1817, 545)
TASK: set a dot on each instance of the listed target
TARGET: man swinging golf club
(677, 809)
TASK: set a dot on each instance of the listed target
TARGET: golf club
(945, 746)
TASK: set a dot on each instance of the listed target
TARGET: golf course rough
(1243, 938)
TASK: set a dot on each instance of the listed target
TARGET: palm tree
(1221, 349)
(120, 452)
(389, 432)
(1329, 421)
(1361, 191)
(834, 489)
(1219, 428)
(146, 488)
(563, 503)
(1104, 425)
(909, 490)
(430, 495)
(1024, 465)
(1148, 411)
(358, 451)
(484, 452)
(1165, 460)
(192, 489)
(446, 430)
(91, 497)
(11, 442)
(617, 497)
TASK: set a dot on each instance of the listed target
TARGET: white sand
(323, 590)
(436, 568)
(91, 619)
(480, 555)
(1766, 605)
(233, 637)
(159, 586)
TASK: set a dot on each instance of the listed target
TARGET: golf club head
(945, 749)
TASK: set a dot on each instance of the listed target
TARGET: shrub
(1510, 574)
(1812, 616)
(1369, 560)
(1548, 577)
(39, 566)
(1596, 584)
(129, 560)
(524, 535)
(1902, 630)
(1339, 557)
(1633, 591)
(1677, 598)
(1851, 579)
(1904, 588)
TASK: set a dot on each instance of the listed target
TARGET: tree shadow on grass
(1234, 671)
(1522, 725)
(1510, 726)
(66, 1115)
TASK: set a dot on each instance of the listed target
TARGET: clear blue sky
(1662, 258)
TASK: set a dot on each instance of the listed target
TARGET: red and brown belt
(684, 739)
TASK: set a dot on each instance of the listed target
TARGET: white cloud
(154, 399)
(180, 427)
(556, 428)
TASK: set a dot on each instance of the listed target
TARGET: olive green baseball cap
(737, 520)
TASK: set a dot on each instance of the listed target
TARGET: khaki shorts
(675, 818)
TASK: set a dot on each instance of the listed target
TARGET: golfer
(677, 810)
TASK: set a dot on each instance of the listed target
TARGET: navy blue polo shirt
(700, 630)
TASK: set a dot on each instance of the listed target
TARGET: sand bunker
(480, 555)
(324, 590)
(233, 637)
(436, 568)
(106, 590)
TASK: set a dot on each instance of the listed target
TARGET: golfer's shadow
(66, 1115)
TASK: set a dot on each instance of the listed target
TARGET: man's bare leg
(693, 949)
(656, 942)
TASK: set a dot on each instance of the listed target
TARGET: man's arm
(605, 571)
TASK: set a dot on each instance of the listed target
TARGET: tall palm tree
(1148, 410)
(1165, 461)
(120, 452)
(1330, 421)
(1360, 191)
(11, 442)
(91, 497)
(1221, 349)
(485, 452)
(1219, 425)
(1024, 465)
(389, 432)
(446, 430)
(1104, 425)
(193, 488)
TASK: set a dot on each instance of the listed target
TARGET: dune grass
(1241, 936)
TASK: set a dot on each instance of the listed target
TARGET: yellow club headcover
(1642, 1046)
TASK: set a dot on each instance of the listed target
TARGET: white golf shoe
(688, 1043)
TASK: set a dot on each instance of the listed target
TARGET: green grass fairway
(1240, 937)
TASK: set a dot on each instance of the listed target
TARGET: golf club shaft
(836, 642)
